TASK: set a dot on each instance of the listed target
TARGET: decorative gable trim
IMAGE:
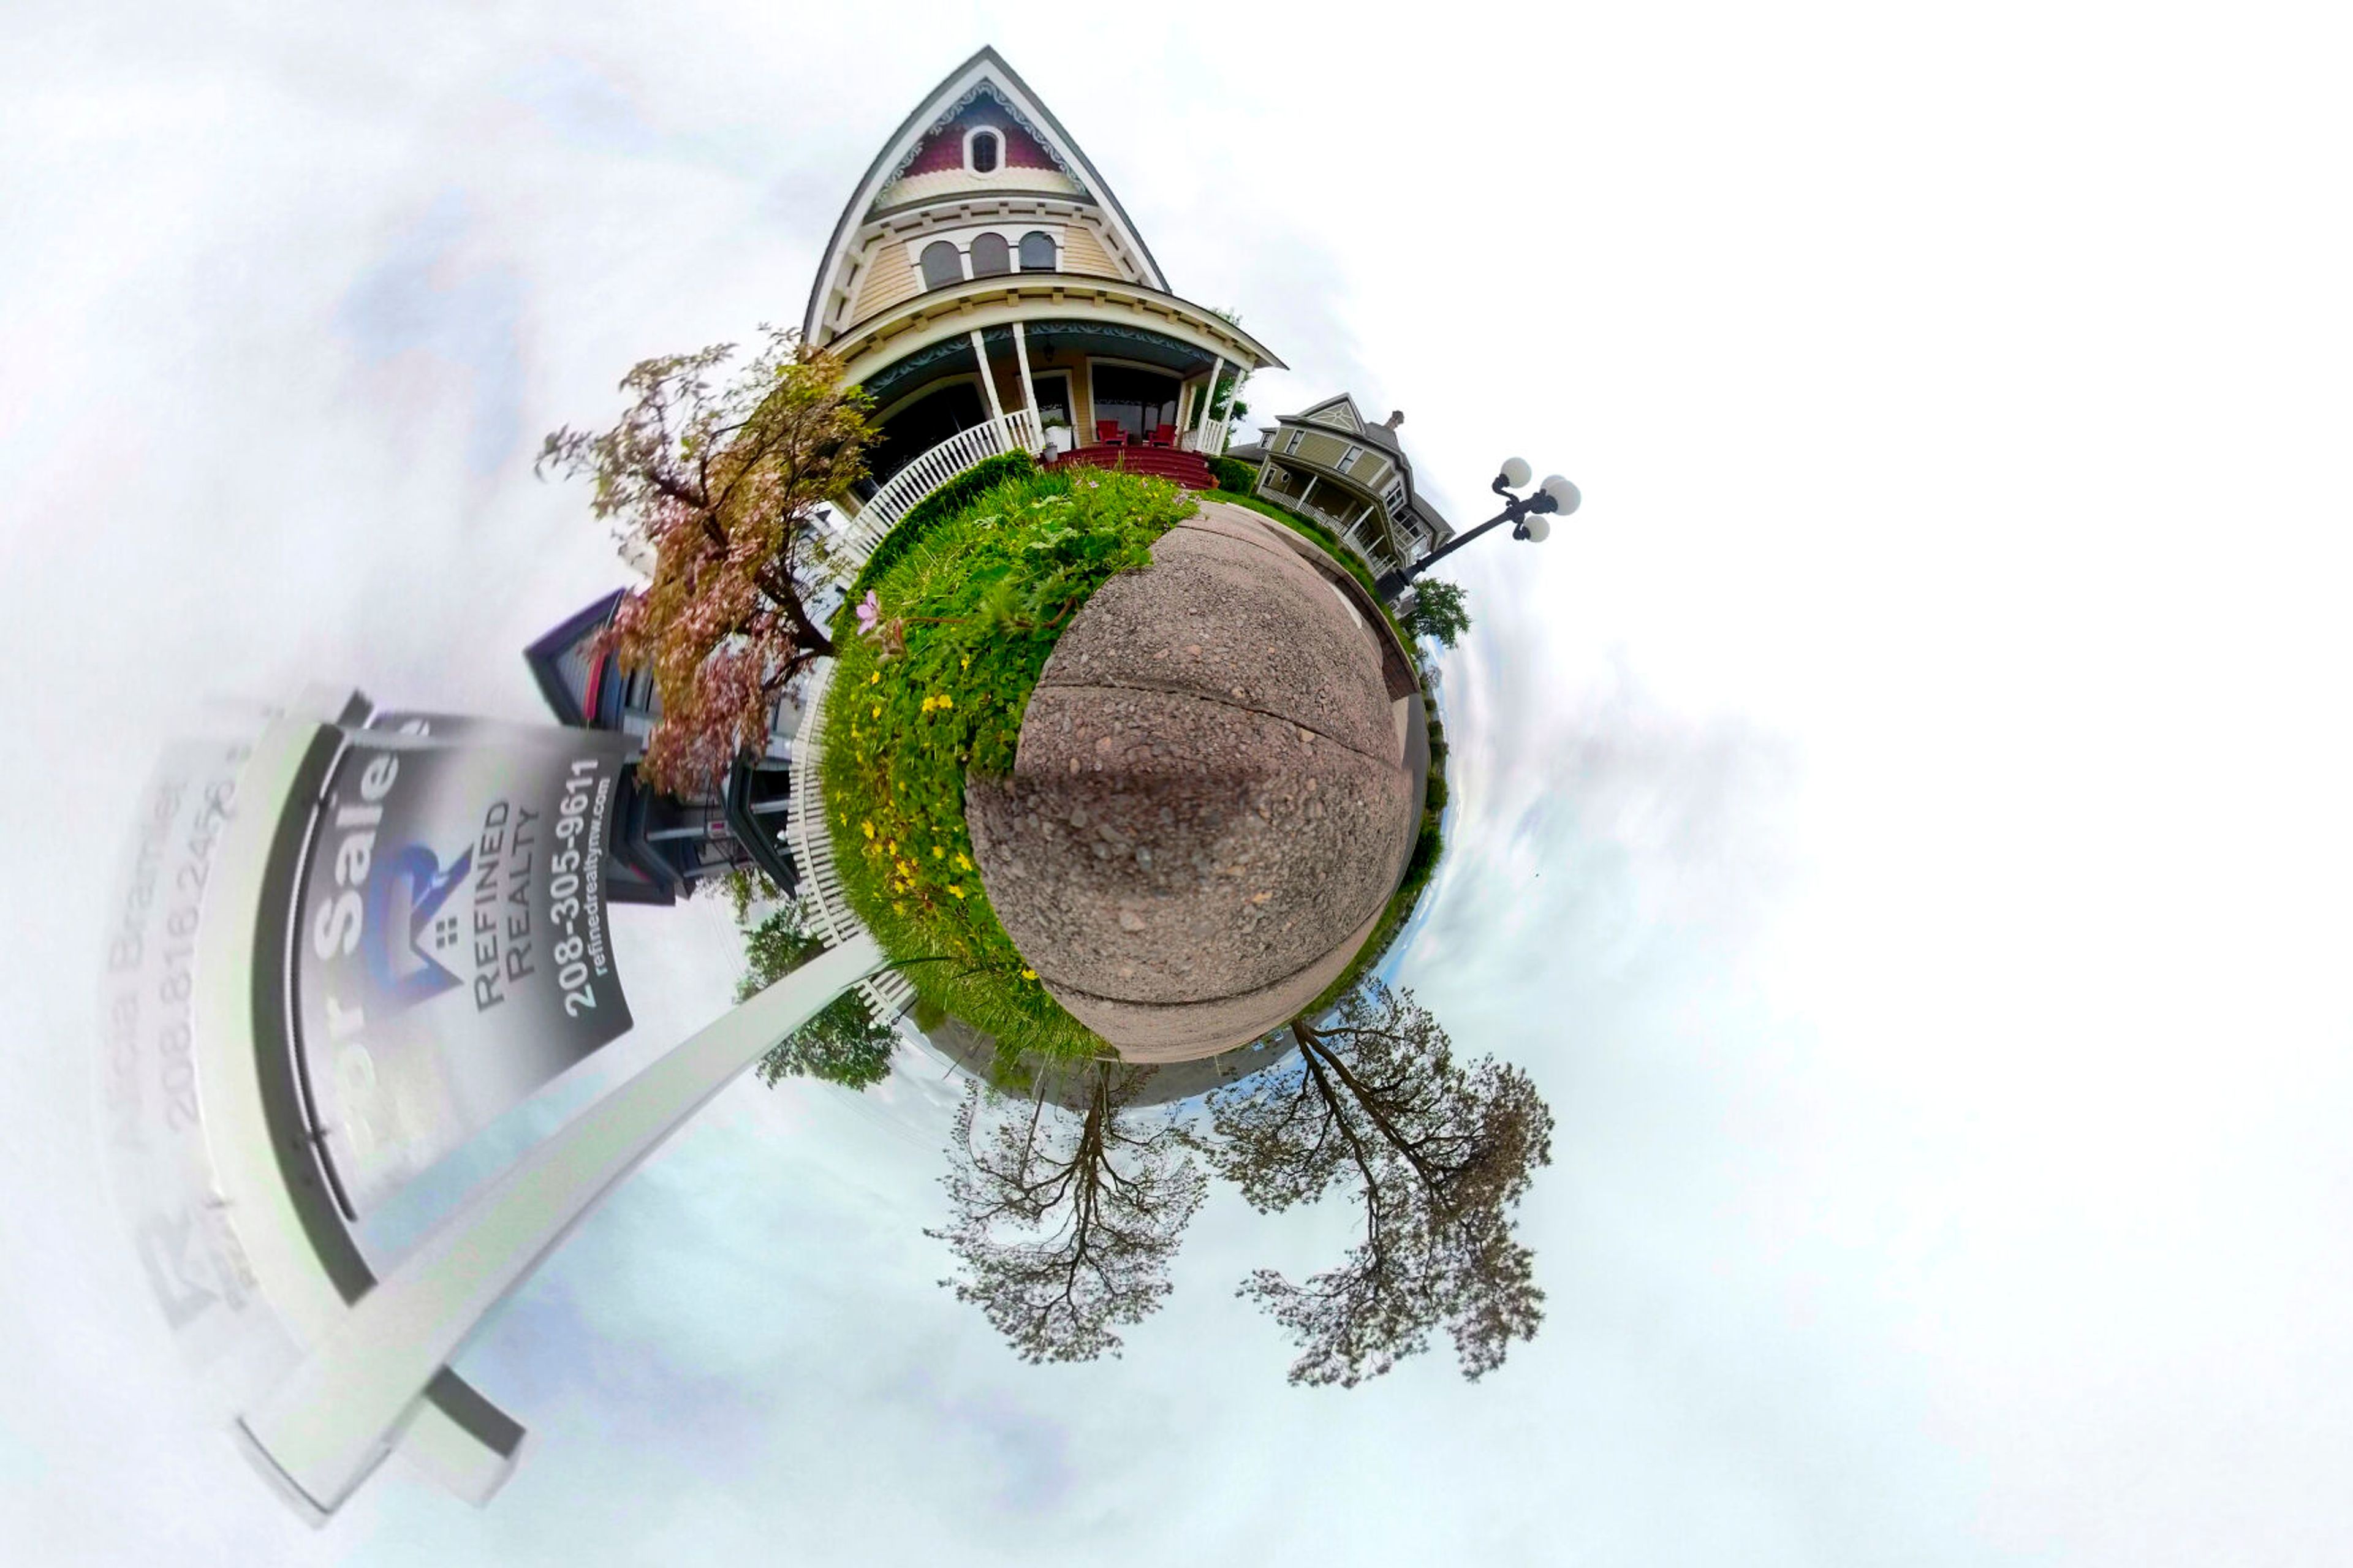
(947, 116)
(1335, 414)
(984, 73)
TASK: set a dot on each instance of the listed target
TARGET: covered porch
(1360, 519)
(1068, 389)
(1096, 382)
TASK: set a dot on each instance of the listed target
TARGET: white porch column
(320, 1432)
(987, 376)
(1307, 493)
(1021, 356)
(1208, 400)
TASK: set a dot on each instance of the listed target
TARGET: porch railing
(1208, 440)
(1371, 555)
(1014, 432)
(886, 994)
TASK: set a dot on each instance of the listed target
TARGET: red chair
(1161, 435)
(1109, 433)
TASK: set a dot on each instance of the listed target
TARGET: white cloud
(1930, 738)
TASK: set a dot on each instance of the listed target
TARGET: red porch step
(1184, 468)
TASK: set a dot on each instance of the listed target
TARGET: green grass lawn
(964, 613)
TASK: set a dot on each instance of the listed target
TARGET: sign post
(301, 1014)
(330, 1422)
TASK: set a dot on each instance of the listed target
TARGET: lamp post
(1526, 514)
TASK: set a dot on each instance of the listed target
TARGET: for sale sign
(450, 948)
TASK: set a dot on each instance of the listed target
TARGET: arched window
(984, 151)
(942, 265)
(990, 255)
(1037, 251)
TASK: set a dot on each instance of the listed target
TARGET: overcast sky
(1900, 823)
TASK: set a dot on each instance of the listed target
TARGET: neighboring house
(663, 844)
(984, 284)
(1350, 475)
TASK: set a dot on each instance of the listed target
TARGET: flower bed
(934, 675)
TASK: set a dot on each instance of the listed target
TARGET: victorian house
(665, 844)
(1351, 474)
(986, 289)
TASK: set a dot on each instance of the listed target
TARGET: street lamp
(1526, 514)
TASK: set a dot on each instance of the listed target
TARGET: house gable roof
(1334, 412)
(1340, 414)
(984, 77)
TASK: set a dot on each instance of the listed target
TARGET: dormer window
(983, 152)
(1348, 459)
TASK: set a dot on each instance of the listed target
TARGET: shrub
(962, 620)
(1233, 474)
(843, 1044)
(945, 501)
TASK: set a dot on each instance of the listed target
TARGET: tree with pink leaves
(720, 484)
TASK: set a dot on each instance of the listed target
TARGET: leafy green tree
(721, 487)
(1226, 398)
(1437, 612)
(1066, 1223)
(1436, 1156)
(842, 1044)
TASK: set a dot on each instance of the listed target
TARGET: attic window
(1037, 251)
(984, 151)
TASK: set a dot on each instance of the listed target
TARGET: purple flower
(869, 613)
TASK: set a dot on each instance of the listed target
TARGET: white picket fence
(886, 994)
(1015, 432)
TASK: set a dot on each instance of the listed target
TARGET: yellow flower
(867, 828)
(1029, 974)
(893, 847)
(957, 890)
(874, 678)
(878, 712)
(938, 853)
(967, 661)
(962, 864)
(946, 700)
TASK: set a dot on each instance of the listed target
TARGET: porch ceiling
(1039, 301)
(1108, 340)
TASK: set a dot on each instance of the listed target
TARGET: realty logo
(406, 935)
